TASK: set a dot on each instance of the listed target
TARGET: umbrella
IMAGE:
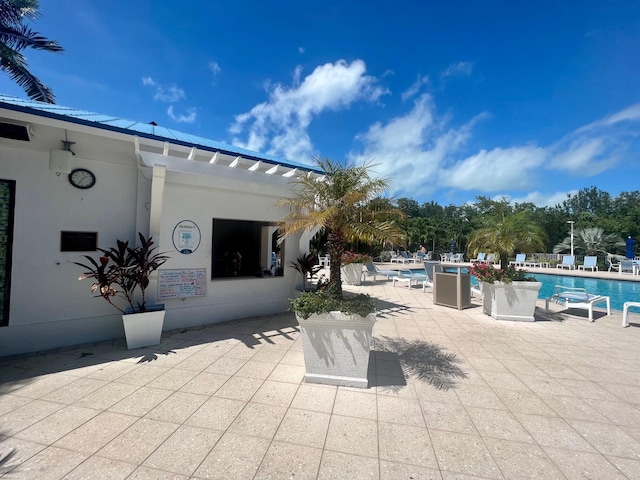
(630, 244)
(452, 246)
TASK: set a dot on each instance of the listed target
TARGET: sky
(530, 101)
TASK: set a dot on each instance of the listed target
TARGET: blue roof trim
(145, 130)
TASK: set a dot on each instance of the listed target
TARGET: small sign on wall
(181, 283)
(186, 237)
(78, 241)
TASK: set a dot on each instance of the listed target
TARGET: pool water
(619, 291)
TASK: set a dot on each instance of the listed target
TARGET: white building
(200, 200)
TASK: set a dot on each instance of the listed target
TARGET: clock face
(82, 178)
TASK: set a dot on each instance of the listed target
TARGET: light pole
(571, 222)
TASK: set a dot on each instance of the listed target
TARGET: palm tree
(16, 37)
(342, 203)
(504, 233)
(590, 241)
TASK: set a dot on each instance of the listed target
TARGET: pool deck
(453, 394)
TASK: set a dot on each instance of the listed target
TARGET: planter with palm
(337, 327)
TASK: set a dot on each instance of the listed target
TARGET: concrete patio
(453, 395)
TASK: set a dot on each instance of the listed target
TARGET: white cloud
(190, 117)
(280, 124)
(300, 50)
(422, 153)
(544, 199)
(165, 93)
(411, 149)
(214, 68)
(628, 114)
(497, 169)
(460, 69)
(415, 88)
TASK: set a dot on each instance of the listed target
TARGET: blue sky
(451, 100)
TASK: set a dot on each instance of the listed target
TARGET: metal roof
(135, 128)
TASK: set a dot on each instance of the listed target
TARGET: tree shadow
(6, 455)
(422, 360)
(386, 309)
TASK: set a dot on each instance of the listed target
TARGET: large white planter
(143, 329)
(352, 273)
(336, 348)
(510, 301)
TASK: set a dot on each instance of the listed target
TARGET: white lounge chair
(409, 277)
(402, 257)
(590, 262)
(568, 261)
(490, 259)
(577, 298)
(372, 270)
(613, 265)
(519, 261)
(479, 258)
(625, 312)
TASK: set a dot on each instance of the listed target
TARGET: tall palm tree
(342, 203)
(16, 37)
(504, 233)
(590, 241)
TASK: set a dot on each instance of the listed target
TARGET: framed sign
(177, 283)
(186, 237)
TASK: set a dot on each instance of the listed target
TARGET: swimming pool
(619, 291)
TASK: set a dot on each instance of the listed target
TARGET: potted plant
(307, 266)
(337, 327)
(352, 264)
(507, 294)
(121, 277)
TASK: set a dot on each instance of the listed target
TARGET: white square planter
(336, 348)
(352, 273)
(143, 329)
(510, 301)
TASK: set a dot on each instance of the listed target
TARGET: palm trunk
(337, 247)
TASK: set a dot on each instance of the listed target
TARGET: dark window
(245, 248)
(7, 206)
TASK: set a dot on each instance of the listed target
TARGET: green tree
(15, 37)
(343, 205)
(505, 232)
(590, 241)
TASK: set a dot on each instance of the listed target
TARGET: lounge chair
(590, 262)
(577, 298)
(372, 270)
(429, 269)
(409, 277)
(625, 312)
(568, 261)
(402, 257)
(479, 258)
(625, 266)
(490, 259)
(457, 257)
(519, 261)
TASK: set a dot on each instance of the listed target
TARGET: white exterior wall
(49, 307)
(227, 298)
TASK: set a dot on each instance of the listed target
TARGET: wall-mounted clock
(82, 178)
